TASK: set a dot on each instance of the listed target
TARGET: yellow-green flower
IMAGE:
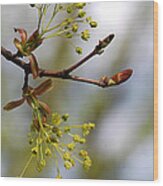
(66, 156)
(67, 165)
(56, 119)
(83, 153)
(79, 5)
(85, 35)
(81, 13)
(75, 27)
(93, 24)
(71, 146)
(79, 50)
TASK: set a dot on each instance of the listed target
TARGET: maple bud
(104, 43)
(23, 34)
(120, 77)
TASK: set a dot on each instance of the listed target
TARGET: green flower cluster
(50, 135)
(69, 27)
(55, 139)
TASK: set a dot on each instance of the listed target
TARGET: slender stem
(82, 61)
(58, 150)
(73, 126)
(52, 17)
(26, 80)
(61, 24)
(58, 33)
(53, 28)
(11, 57)
(40, 16)
(56, 163)
(86, 80)
(41, 151)
(97, 50)
(38, 147)
(48, 73)
(45, 7)
(80, 161)
(40, 123)
(70, 134)
(26, 166)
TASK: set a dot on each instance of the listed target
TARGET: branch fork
(66, 73)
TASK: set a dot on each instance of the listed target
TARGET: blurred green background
(121, 146)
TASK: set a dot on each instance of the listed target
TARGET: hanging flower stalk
(48, 131)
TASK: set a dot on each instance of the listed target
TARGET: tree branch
(26, 78)
(88, 81)
(98, 50)
(63, 74)
(76, 65)
(11, 57)
(59, 74)
(47, 73)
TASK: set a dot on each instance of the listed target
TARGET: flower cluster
(68, 27)
(49, 141)
(50, 135)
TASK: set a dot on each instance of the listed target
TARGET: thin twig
(51, 73)
(88, 81)
(11, 57)
(98, 50)
(25, 80)
(76, 65)
(48, 73)
(52, 17)
(64, 74)
(40, 9)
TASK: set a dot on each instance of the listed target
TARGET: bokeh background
(121, 146)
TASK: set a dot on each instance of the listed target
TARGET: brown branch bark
(63, 74)
(11, 57)
(98, 50)
(82, 61)
(89, 81)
